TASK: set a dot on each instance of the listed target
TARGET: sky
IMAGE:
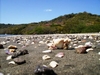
(30, 11)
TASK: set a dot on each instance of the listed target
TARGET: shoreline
(50, 34)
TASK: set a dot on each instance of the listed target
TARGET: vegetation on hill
(71, 23)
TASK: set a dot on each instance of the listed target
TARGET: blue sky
(28, 11)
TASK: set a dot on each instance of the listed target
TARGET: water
(5, 35)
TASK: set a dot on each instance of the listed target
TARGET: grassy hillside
(71, 23)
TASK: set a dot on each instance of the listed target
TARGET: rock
(81, 50)
(47, 51)
(89, 44)
(90, 37)
(23, 52)
(41, 42)
(1, 46)
(12, 47)
(99, 53)
(79, 46)
(3, 43)
(89, 49)
(18, 53)
(47, 41)
(32, 43)
(66, 43)
(19, 61)
(60, 43)
(7, 51)
(52, 47)
(53, 64)
(49, 44)
(1, 74)
(11, 62)
(12, 50)
(61, 54)
(43, 70)
(9, 57)
(45, 57)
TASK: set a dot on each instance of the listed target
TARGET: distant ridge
(82, 22)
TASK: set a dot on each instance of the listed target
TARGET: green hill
(70, 23)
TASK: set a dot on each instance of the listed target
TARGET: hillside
(71, 23)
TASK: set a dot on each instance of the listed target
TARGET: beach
(71, 64)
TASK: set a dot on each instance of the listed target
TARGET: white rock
(49, 44)
(3, 42)
(88, 44)
(41, 42)
(80, 46)
(9, 57)
(70, 46)
(12, 47)
(90, 37)
(47, 51)
(5, 49)
(32, 43)
(90, 49)
(58, 42)
(53, 64)
(98, 41)
(84, 37)
(8, 73)
(1, 74)
(74, 44)
(45, 57)
(11, 62)
(45, 65)
(99, 53)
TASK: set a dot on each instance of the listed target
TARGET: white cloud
(48, 10)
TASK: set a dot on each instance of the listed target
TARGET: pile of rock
(14, 54)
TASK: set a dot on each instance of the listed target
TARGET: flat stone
(11, 62)
(45, 57)
(61, 54)
(53, 64)
(47, 51)
(19, 61)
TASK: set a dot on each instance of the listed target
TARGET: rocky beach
(69, 63)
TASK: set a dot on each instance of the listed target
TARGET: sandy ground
(70, 64)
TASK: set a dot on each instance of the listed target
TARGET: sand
(71, 64)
